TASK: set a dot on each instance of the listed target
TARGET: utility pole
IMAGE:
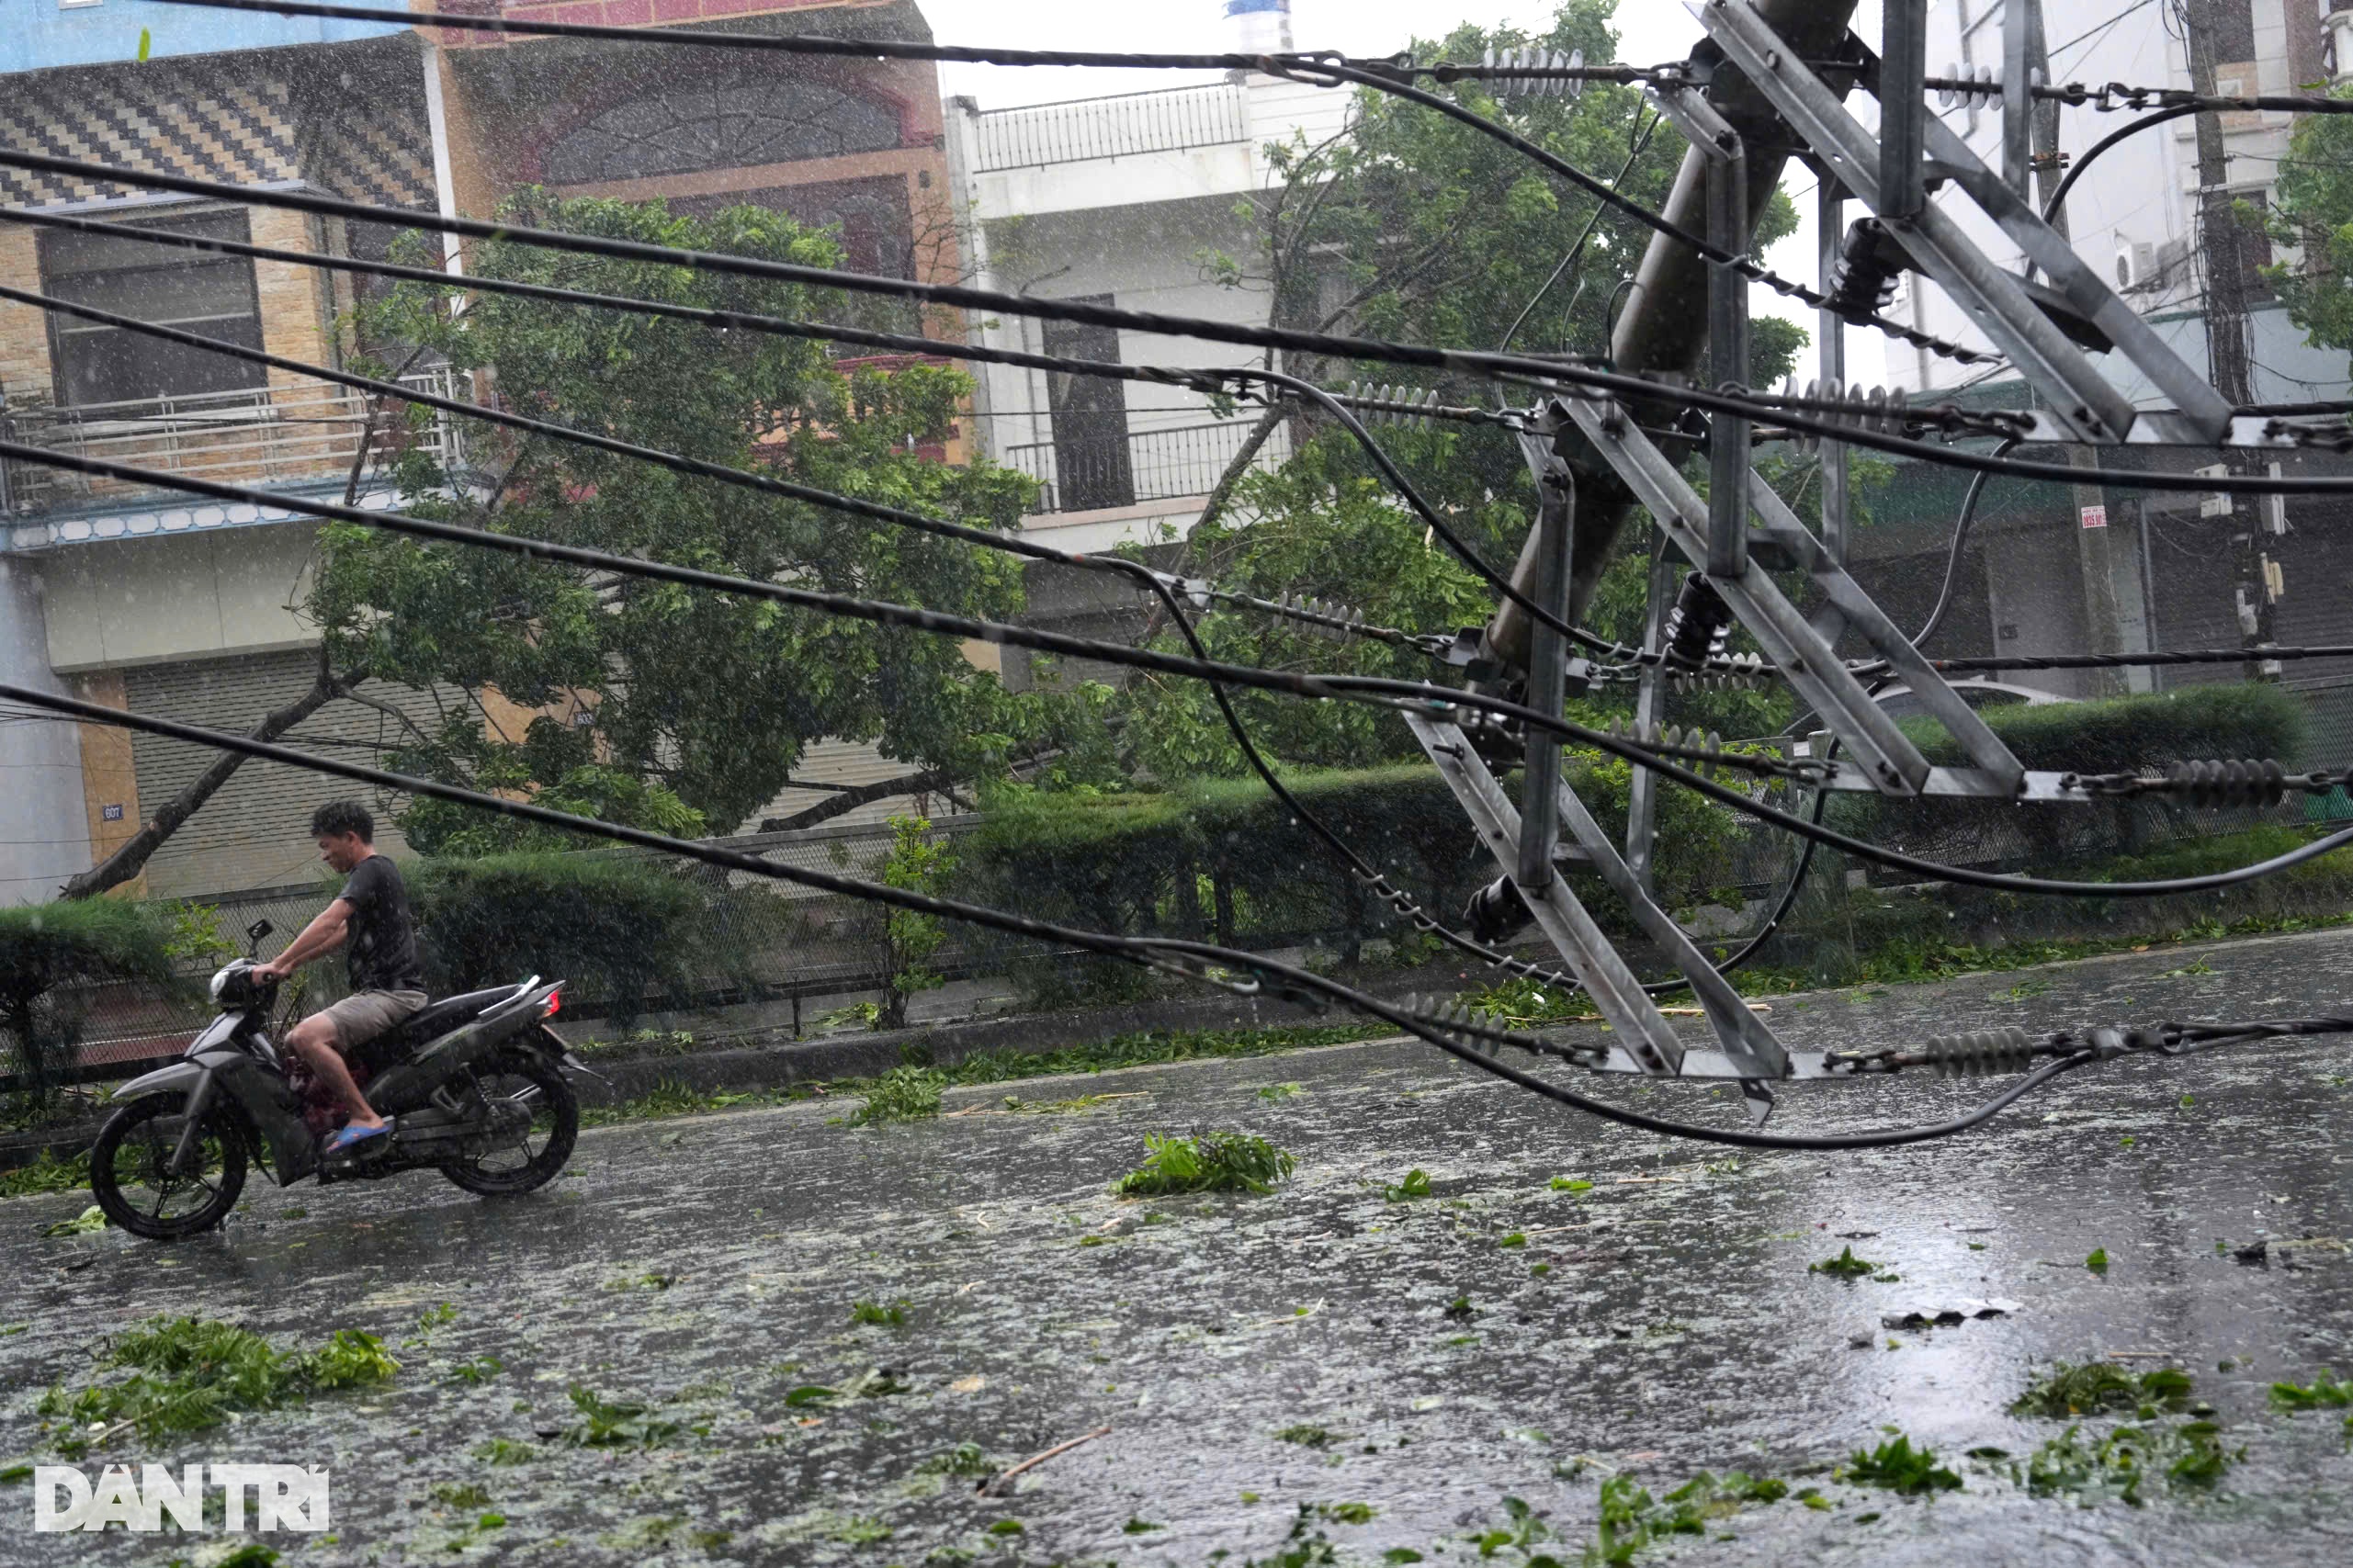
(2228, 349)
(2094, 556)
(1664, 327)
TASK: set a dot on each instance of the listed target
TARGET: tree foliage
(2314, 210)
(48, 952)
(1413, 227)
(650, 704)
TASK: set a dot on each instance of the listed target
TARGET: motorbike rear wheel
(130, 1179)
(512, 1085)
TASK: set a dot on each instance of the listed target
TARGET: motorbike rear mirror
(258, 930)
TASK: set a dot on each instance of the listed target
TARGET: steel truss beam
(1884, 752)
(1745, 1042)
(2085, 404)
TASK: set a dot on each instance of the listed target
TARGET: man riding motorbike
(370, 919)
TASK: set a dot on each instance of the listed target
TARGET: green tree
(2314, 210)
(917, 865)
(1413, 227)
(51, 954)
(686, 710)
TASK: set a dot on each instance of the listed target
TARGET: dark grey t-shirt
(381, 954)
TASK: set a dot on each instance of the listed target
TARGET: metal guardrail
(1088, 472)
(297, 431)
(1166, 122)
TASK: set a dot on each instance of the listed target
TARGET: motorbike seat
(429, 1022)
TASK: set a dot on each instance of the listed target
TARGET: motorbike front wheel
(131, 1179)
(535, 1119)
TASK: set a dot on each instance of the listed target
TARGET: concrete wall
(44, 837)
(123, 603)
(1057, 215)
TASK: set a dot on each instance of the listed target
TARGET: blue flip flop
(350, 1136)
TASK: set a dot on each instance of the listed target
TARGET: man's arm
(326, 933)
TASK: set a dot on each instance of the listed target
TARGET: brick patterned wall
(24, 335)
(296, 317)
(109, 775)
(624, 14)
(244, 119)
(178, 119)
(350, 119)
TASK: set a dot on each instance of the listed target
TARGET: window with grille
(210, 295)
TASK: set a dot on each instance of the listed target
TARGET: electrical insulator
(1496, 912)
(1977, 1055)
(1870, 261)
(1534, 58)
(2243, 783)
(1699, 623)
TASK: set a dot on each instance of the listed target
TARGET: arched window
(741, 126)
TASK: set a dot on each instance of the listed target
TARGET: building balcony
(298, 434)
(1093, 473)
(1173, 120)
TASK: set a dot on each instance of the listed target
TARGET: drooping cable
(1633, 156)
(1960, 544)
(1380, 691)
(1332, 403)
(1155, 582)
(1555, 373)
(1161, 954)
(2112, 96)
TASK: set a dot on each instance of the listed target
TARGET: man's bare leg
(313, 1039)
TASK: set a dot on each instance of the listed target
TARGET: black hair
(340, 817)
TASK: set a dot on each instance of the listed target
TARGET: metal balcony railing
(1088, 472)
(305, 430)
(1165, 121)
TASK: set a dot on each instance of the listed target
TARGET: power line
(1553, 372)
(1322, 67)
(1296, 64)
(1155, 582)
(1205, 962)
(1379, 690)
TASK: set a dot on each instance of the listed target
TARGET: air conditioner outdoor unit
(2136, 265)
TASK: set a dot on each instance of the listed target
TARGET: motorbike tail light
(555, 1004)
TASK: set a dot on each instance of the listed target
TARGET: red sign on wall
(2095, 517)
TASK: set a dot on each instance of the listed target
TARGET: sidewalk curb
(771, 1059)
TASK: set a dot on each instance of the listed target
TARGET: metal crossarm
(1999, 765)
(1884, 753)
(1743, 1037)
(2085, 402)
(1591, 956)
(1744, 1040)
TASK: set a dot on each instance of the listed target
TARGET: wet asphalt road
(708, 1266)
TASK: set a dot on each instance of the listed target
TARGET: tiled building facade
(162, 603)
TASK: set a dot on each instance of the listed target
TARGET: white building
(1119, 201)
(2134, 214)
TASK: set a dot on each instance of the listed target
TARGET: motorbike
(474, 1086)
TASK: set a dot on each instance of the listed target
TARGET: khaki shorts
(361, 1017)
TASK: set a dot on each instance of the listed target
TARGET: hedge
(2120, 734)
(621, 931)
(48, 950)
(1225, 861)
